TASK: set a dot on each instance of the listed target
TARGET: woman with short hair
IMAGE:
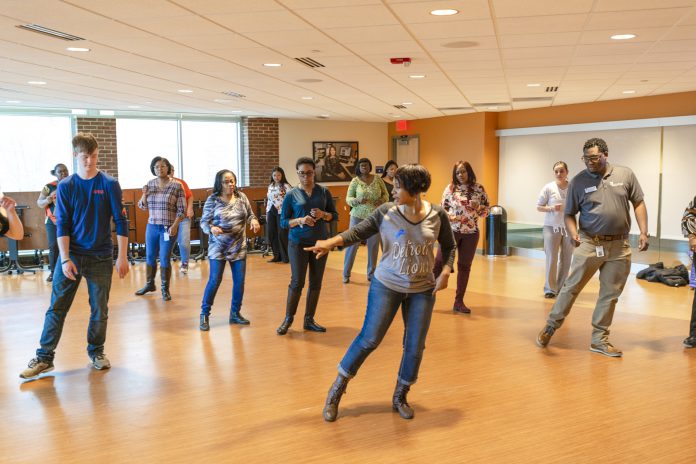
(365, 193)
(408, 229)
(164, 199)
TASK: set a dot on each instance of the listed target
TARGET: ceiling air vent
(532, 99)
(455, 108)
(552, 89)
(400, 107)
(310, 62)
(230, 93)
(49, 32)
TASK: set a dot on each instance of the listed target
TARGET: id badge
(166, 236)
(599, 249)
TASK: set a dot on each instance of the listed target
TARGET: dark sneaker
(690, 342)
(35, 368)
(346, 279)
(100, 362)
(461, 308)
(549, 295)
(544, 336)
(50, 277)
(607, 349)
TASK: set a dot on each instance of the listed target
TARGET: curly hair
(596, 142)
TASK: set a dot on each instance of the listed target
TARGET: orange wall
(446, 140)
(675, 104)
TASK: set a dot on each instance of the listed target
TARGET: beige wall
(296, 137)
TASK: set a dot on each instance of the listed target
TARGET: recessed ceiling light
(36, 83)
(492, 107)
(407, 103)
(533, 85)
(222, 100)
(235, 111)
(417, 76)
(325, 115)
(309, 81)
(272, 65)
(79, 111)
(185, 91)
(623, 36)
(447, 12)
(461, 44)
(134, 107)
(148, 103)
(106, 112)
(12, 101)
(77, 49)
(308, 98)
(628, 92)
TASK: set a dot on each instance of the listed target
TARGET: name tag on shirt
(166, 237)
(591, 189)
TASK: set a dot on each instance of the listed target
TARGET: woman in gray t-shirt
(408, 229)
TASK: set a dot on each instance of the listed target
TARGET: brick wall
(260, 138)
(104, 129)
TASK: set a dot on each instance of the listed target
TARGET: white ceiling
(144, 51)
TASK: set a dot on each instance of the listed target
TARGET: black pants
(277, 236)
(52, 244)
(692, 327)
(300, 260)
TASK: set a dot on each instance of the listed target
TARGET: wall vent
(400, 107)
(230, 93)
(552, 89)
(310, 62)
(50, 32)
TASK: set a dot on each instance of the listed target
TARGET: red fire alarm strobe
(404, 61)
(401, 125)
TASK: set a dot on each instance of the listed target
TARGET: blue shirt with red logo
(84, 209)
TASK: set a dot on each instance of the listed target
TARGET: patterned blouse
(376, 193)
(164, 204)
(458, 204)
(232, 218)
(688, 222)
(276, 195)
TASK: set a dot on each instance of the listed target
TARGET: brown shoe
(607, 349)
(544, 336)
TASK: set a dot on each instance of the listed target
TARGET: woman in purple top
(408, 229)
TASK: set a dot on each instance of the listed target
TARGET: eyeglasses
(305, 173)
(228, 182)
(590, 159)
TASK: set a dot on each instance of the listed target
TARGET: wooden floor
(486, 393)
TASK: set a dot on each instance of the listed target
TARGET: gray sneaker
(607, 349)
(100, 362)
(35, 368)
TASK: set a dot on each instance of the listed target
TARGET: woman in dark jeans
(225, 216)
(408, 229)
(277, 236)
(307, 211)
(464, 201)
(165, 201)
(47, 201)
(688, 224)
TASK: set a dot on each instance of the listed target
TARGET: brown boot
(399, 401)
(334, 397)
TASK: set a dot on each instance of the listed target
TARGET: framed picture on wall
(335, 160)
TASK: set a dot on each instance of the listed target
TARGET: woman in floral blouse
(365, 193)
(226, 214)
(277, 236)
(464, 201)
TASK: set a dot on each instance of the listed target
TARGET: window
(31, 146)
(208, 147)
(140, 140)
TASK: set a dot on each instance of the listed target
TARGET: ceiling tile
(515, 8)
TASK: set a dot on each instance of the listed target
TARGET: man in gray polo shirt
(601, 194)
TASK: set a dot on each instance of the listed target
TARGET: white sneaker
(184, 268)
(100, 362)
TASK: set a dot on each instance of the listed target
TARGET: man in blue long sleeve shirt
(85, 205)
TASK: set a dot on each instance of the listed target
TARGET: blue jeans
(217, 268)
(156, 245)
(97, 270)
(183, 238)
(372, 251)
(382, 305)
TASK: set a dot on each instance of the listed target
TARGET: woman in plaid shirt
(164, 199)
